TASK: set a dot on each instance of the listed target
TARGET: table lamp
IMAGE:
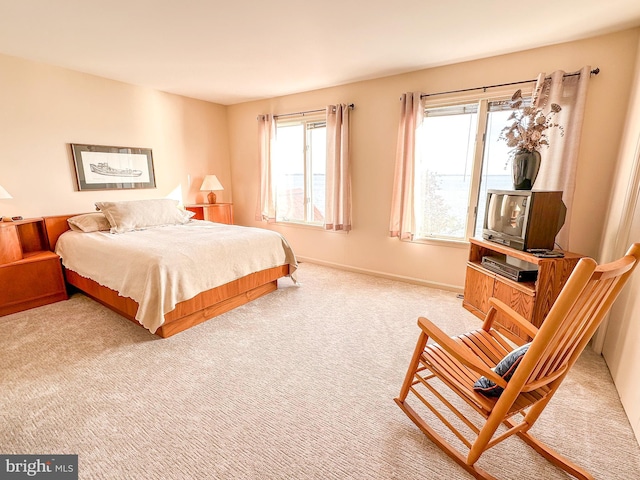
(3, 194)
(211, 183)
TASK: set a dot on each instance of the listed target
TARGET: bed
(167, 275)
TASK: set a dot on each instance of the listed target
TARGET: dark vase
(524, 169)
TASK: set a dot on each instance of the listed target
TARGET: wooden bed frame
(188, 313)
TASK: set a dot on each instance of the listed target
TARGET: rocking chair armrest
(459, 352)
(499, 306)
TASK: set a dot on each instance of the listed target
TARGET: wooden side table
(30, 274)
(213, 212)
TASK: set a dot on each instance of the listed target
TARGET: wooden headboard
(55, 227)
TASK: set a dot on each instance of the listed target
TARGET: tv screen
(506, 213)
(523, 219)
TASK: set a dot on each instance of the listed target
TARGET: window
(458, 159)
(299, 162)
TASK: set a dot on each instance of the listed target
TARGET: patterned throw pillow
(505, 368)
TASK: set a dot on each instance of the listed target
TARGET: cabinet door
(518, 299)
(478, 288)
(219, 213)
(10, 249)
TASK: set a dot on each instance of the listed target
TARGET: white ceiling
(239, 50)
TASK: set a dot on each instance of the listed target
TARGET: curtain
(402, 222)
(338, 179)
(560, 160)
(266, 208)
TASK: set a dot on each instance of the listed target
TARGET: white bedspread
(162, 266)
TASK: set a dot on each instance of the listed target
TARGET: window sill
(299, 225)
(440, 242)
(308, 226)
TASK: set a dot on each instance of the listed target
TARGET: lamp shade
(4, 193)
(211, 183)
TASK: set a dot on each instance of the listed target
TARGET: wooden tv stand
(532, 299)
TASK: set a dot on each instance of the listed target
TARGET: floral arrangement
(529, 125)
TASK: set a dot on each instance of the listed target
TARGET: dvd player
(512, 268)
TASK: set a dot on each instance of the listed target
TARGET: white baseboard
(390, 276)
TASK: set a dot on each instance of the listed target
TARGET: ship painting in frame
(101, 167)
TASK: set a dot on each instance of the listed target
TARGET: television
(523, 219)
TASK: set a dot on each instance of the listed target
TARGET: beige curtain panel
(266, 208)
(560, 160)
(402, 222)
(338, 180)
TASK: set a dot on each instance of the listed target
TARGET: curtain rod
(351, 106)
(595, 71)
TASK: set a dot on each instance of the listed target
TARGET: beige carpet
(296, 385)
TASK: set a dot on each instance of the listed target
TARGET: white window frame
(483, 99)
(303, 119)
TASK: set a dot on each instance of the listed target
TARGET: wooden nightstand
(213, 212)
(30, 274)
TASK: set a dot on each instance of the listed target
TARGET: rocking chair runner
(459, 361)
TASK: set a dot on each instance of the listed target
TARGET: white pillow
(89, 222)
(140, 214)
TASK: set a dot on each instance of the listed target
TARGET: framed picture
(100, 167)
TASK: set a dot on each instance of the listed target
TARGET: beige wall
(374, 126)
(620, 335)
(43, 109)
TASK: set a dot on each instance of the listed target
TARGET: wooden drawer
(31, 282)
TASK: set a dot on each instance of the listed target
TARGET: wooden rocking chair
(458, 362)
